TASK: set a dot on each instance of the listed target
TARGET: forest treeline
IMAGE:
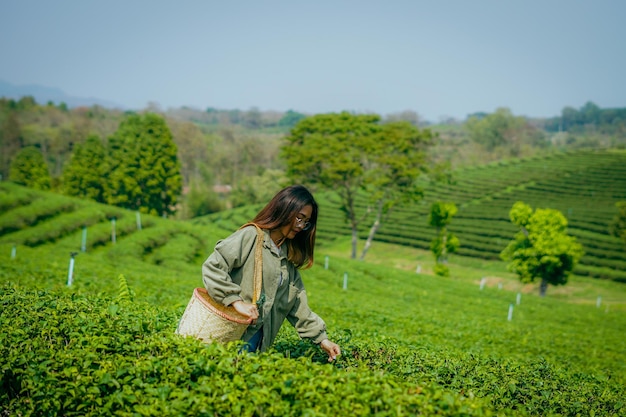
(229, 158)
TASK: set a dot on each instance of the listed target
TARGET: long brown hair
(280, 211)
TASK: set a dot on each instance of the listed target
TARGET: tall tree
(350, 154)
(542, 249)
(445, 242)
(397, 158)
(30, 169)
(331, 150)
(11, 141)
(85, 173)
(145, 171)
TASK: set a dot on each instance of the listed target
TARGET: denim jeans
(254, 343)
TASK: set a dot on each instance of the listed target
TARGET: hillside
(583, 185)
(412, 343)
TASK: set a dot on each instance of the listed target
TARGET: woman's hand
(246, 309)
(331, 348)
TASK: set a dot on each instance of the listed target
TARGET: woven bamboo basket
(207, 320)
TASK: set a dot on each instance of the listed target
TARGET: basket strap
(258, 262)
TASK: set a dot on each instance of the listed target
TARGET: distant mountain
(43, 95)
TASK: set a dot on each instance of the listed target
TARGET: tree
(193, 149)
(28, 168)
(258, 188)
(542, 249)
(348, 154)
(406, 115)
(144, 167)
(85, 173)
(331, 150)
(570, 118)
(618, 225)
(503, 128)
(235, 157)
(200, 201)
(11, 141)
(590, 113)
(396, 160)
(26, 103)
(490, 131)
(445, 242)
(290, 118)
(252, 119)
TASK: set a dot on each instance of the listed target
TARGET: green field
(413, 343)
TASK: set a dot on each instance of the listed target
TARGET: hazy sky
(438, 58)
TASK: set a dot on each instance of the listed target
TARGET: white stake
(138, 215)
(599, 301)
(519, 298)
(326, 259)
(345, 280)
(70, 273)
(483, 281)
(510, 312)
(113, 230)
(13, 252)
(83, 246)
(418, 269)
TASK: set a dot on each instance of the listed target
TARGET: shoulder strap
(258, 262)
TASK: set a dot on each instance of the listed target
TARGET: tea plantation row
(412, 344)
(583, 185)
(69, 354)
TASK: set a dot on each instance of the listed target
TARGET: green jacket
(228, 276)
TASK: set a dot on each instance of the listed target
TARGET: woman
(289, 224)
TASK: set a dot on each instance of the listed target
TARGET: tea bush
(412, 344)
(65, 354)
(37, 211)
